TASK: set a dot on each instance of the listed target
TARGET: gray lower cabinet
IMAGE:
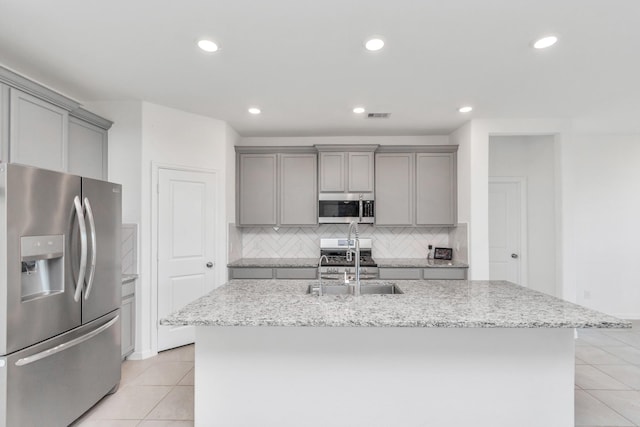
(414, 273)
(273, 273)
(37, 132)
(416, 186)
(87, 149)
(276, 187)
(128, 319)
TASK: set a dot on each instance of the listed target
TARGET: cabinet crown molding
(343, 147)
(94, 119)
(17, 81)
(417, 149)
(257, 149)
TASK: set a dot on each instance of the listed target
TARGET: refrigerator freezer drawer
(62, 377)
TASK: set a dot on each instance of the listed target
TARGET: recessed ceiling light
(254, 110)
(358, 110)
(374, 44)
(207, 45)
(545, 42)
(465, 109)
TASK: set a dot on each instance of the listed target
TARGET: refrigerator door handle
(64, 346)
(92, 267)
(83, 248)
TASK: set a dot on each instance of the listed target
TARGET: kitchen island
(443, 353)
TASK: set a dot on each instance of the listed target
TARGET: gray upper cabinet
(298, 189)
(276, 186)
(346, 168)
(332, 172)
(394, 189)
(87, 149)
(360, 168)
(257, 185)
(37, 132)
(42, 128)
(416, 186)
(435, 189)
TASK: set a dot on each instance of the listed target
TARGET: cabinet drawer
(251, 273)
(296, 273)
(445, 273)
(400, 273)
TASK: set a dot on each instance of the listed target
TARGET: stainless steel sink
(365, 289)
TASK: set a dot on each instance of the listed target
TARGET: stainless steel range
(336, 262)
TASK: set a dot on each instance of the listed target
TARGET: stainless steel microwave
(343, 208)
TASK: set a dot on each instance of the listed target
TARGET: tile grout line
(596, 397)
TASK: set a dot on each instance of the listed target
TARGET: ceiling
(303, 62)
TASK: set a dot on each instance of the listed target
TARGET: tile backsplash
(301, 242)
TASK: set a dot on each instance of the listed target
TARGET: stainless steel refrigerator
(60, 284)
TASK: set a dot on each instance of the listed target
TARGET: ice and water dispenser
(42, 260)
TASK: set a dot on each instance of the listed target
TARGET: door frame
(218, 225)
(522, 184)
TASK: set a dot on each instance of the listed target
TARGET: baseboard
(141, 355)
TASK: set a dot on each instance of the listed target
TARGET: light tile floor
(158, 392)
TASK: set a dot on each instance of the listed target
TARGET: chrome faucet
(320, 290)
(350, 253)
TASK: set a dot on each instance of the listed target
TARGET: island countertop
(424, 303)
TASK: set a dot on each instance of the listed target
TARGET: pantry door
(507, 229)
(186, 246)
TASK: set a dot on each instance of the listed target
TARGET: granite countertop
(126, 278)
(275, 262)
(425, 303)
(419, 263)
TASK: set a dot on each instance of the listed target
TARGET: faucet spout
(353, 226)
(320, 289)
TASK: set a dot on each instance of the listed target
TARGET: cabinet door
(87, 149)
(298, 189)
(38, 132)
(257, 176)
(360, 172)
(128, 327)
(435, 189)
(394, 189)
(4, 123)
(332, 172)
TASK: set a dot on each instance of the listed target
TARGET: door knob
(514, 256)
(209, 264)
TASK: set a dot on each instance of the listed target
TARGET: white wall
(143, 137)
(125, 152)
(606, 205)
(532, 157)
(175, 138)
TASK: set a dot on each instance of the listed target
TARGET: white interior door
(506, 235)
(186, 258)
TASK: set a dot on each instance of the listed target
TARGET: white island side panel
(313, 376)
